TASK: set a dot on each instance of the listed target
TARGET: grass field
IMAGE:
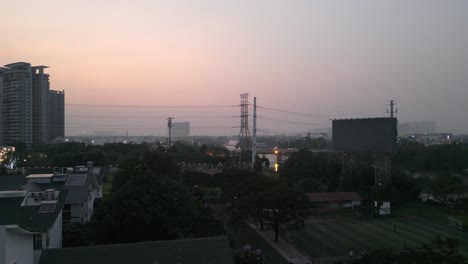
(107, 185)
(337, 238)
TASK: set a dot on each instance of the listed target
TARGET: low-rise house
(83, 188)
(30, 221)
(335, 199)
(213, 250)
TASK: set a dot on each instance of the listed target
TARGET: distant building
(30, 221)
(432, 138)
(56, 115)
(29, 112)
(180, 130)
(209, 250)
(40, 103)
(410, 128)
(17, 103)
(335, 199)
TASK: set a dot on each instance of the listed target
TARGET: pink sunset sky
(323, 58)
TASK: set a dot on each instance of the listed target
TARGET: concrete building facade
(27, 114)
(40, 103)
(31, 221)
(17, 103)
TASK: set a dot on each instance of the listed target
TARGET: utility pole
(392, 112)
(169, 125)
(254, 134)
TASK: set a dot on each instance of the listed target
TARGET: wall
(2, 243)
(76, 213)
(19, 247)
(1, 111)
(91, 197)
(55, 233)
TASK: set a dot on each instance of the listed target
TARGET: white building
(82, 186)
(30, 221)
(180, 130)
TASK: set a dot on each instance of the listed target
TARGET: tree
(324, 168)
(192, 177)
(283, 205)
(146, 207)
(447, 188)
(275, 206)
(149, 163)
(247, 255)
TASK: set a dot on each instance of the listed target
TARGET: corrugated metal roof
(333, 197)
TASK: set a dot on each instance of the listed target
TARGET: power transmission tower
(169, 126)
(244, 134)
(347, 163)
(382, 161)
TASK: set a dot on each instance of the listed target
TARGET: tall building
(56, 115)
(17, 103)
(181, 129)
(27, 114)
(40, 104)
(1, 106)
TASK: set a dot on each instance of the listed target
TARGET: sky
(324, 58)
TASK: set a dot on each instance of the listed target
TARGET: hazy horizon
(327, 59)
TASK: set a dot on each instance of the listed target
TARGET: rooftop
(45, 175)
(212, 250)
(30, 218)
(17, 64)
(11, 182)
(334, 196)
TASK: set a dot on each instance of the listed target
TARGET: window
(66, 214)
(47, 208)
(37, 241)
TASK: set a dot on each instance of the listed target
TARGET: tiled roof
(214, 250)
(334, 197)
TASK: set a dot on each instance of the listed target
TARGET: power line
(305, 114)
(152, 106)
(288, 121)
(150, 117)
(141, 127)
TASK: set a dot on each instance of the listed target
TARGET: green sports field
(337, 238)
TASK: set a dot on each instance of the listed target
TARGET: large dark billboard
(377, 135)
